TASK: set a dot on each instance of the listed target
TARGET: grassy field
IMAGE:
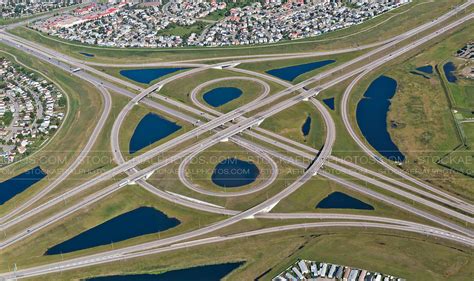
(100, 158)
(114, 71)
(409, 256)
(30, 251)
(460, 160)
(183, 31)
(405, 255)
(96, 162)
(469, 130)
(310, 194)
(404, 109)
(167, 179)
(265, 66)
(461, 90)
(84, 108)
(250, 91)
(289, 122)
(217, 15)
(55, 209)
(200, 169)
(379, 28)
(461, 104)
(346, 148)
(427, 130)
(307, 197)
(179, 89)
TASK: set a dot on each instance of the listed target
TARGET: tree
(62, 101)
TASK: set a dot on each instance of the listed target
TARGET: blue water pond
(147, 75)
(213, 272)
(428, 69)
(87, 54)
(19, 183)
(449, 69)
(141, 221)
(233, 172)
(306, 126)
(291, 72)
(150, 129)
(220, 96)
(339, 200)
(329, 102)
(371, 117)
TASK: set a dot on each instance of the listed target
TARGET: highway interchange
(235, 126)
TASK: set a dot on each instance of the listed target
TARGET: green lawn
(183, 31)
(265, 66)
(461, 91)
(200, 169)
(7, 118)
(250, 91)
(469, 131)
(217, 15)
(289, 123)
(461, 161)
(180, 89)
(167, 179)
(307, 197)
(462, 94)
(114, 71)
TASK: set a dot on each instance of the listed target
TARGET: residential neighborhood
(126, 25)
(19, 9)
(274, 22)
(466, 55)
(321, 271)
(206, 140)
(31, 110)
(151, 25)
(466, 52)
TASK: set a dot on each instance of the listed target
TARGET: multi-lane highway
(334, 166)
(226, 127)
(390, 167)
(138, 98)
(158, 86)
(363, 223)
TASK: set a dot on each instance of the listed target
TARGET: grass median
(404, 255)
(29, 252)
